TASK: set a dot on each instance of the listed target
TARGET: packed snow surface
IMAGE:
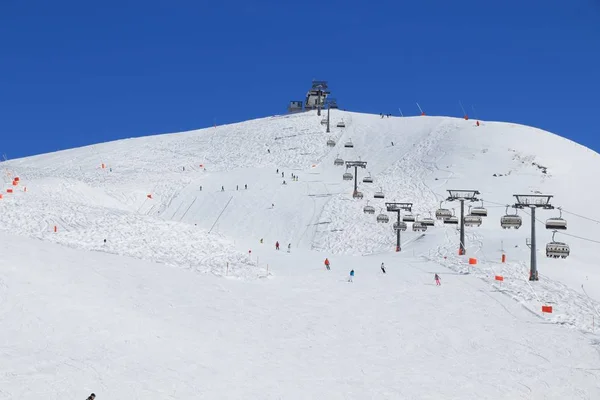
(171, 286)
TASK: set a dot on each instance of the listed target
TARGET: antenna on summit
(420, 109)
(463, 110)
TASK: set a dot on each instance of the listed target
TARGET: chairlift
(428, 221)
(557, 222)
(368, 209)
(479, 211)
(401, 227)
(338, 161)
(511, 220)
(368, 179)
(341, 124)
(556, 249)
(408, 217)
(452, 219)
(324, 121)
(348, 176)
(442, 213)
(349, 144)
(472, 220)
(379, 195)
(418, 226)
(357, 194)
(383, 218)
(330, 142)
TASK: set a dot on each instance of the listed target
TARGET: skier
(200, 188)
(289, 247)
(327, 264)
(104, 241)
(383, 268)
(92, 397)
(284, 182)
(277, 170)
(392, 143)
(246, 186)
(437, 280)
(268, 151)
(351, 276)
(261, 241)
(237, 187)
(282, 174)
(222, 188)
(277, 245)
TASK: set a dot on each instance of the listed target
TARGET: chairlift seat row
(428, 222)
(348, 176)
(403, 226)
(511, 221)
(473, 220)
(557, 250)
(367, 179)
(383, 218)
(379, 195)
(418, 227)
(556, 223)
(451, 220)
(408, 218)
(338, 161)
(369, 209)
(348, 144)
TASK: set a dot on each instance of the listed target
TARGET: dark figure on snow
(92, 397)
(222, 188)
(268, 151)
(277, 170)
(437, 280)
(237, 187)
(282, 174)
(383, 268)
(277, 245)
(246, 186)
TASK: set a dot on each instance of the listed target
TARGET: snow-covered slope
(160, 199)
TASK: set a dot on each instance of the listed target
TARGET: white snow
(183, 300)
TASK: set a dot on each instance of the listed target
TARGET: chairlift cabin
(556, 249)
(511, 220)
(379, 195)
(338, 161)
(348, 176)
(368, 179)
(349, 144)
(368, 209)
(330, 142)
(324, 121)
(480, 211)
(442, 213)
(341, 124)
(357, 194)
(401, 227)
(556, 222)
(408, 217)
(452, 220)
(472, 220)
(383, 218)
(428, 221)
(417, 226)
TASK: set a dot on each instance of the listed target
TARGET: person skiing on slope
(351, 276)
(91, 397)
(327, 263)
(289, 247)
(383, 268)
(277, 245)
(437, 280)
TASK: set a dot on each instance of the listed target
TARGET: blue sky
(76, 72)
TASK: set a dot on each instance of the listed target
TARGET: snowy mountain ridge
(181, 200)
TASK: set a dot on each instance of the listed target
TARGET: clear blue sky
(81, 72)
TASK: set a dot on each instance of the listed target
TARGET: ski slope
(172, 234)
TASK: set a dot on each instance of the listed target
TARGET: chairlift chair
(368, 179)
(442, 213)
(479, 211)
(511, 220)
(401, 227)
(368, 209)
(472, 220)
(556, 222)
(379, 195)
(408, 217)
(418, 226)
(556, 249)
(324, 121)
(348, 176)
(428, 221)
(341, 124)
(357, 194)
(338, 161)
(330, 142)
(451, 220)
(349, 144)
(383, 218)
